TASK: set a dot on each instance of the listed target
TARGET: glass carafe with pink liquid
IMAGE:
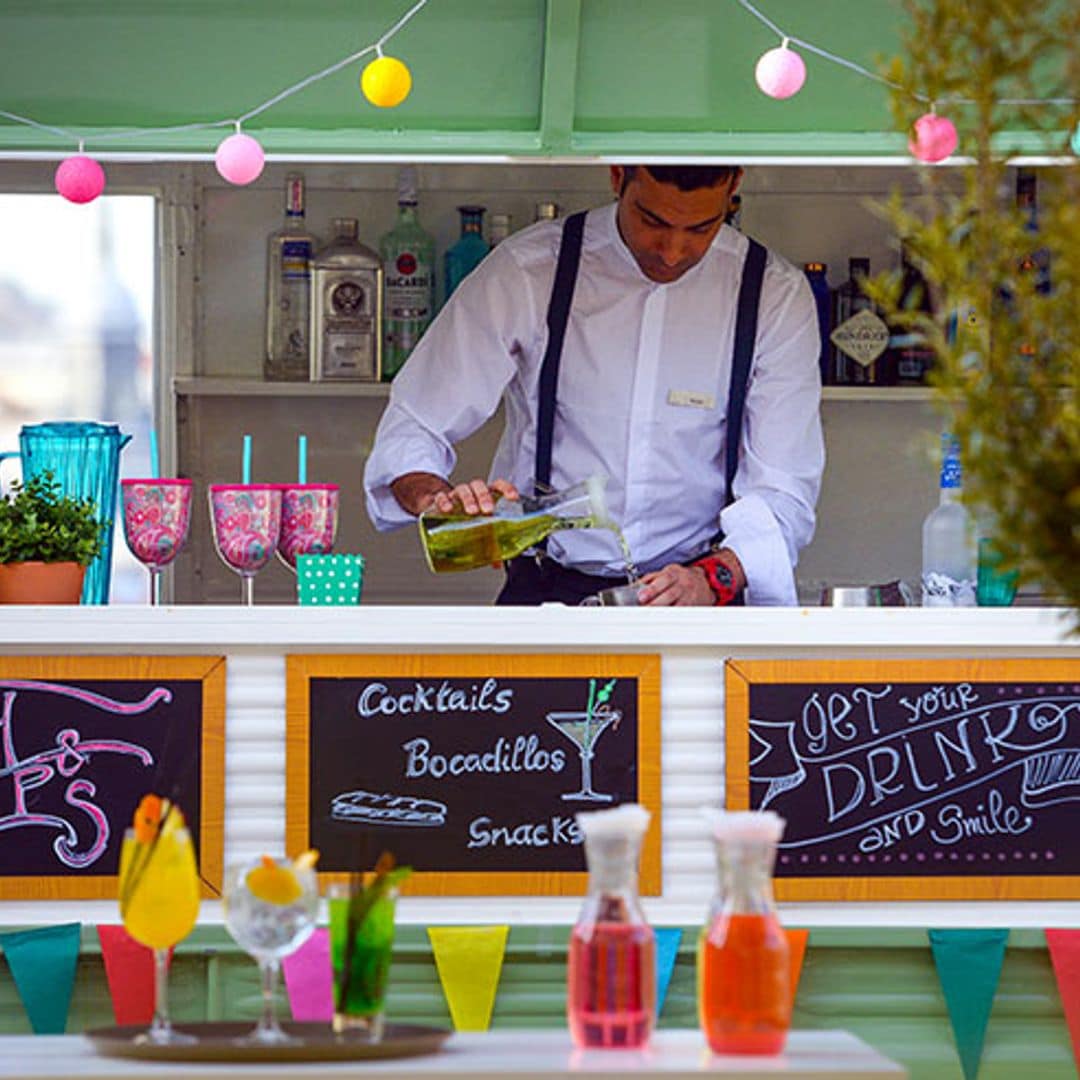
(743, 965)
(611, 977)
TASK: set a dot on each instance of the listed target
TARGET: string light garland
(239, 158)
(781, 72)
(386, 82)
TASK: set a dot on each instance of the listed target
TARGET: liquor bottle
(458, 541)
(546, 211)
(346, 308)
(949, 553)
(611, 970)
(468, 250)
(288, 291)
(819, 286)
(910, 354)
(744, 979)
(1037, 260)
(500, 229)
(408, 256)
(859, 333)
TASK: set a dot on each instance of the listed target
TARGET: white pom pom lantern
(240, 159)
(933, 138)
(80, 179)
(780, 72)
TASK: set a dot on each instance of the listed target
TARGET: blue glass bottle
(469, 249)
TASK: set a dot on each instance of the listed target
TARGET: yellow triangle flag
(469, 960)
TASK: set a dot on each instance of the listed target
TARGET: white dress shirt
(642, 397)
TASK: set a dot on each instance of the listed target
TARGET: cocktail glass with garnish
(159, 897)
(583, 728)
(361, 943)
(270, 909)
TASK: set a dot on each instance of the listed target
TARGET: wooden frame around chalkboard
(210, 671)
(300, 669)
(741, 675)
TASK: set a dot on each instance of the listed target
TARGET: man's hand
(687, 586)
(420, 491)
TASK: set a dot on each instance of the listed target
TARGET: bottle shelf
(876, 393)
(221, 386)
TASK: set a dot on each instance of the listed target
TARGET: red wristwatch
(721, 579)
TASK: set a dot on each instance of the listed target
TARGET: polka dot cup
(329, 579)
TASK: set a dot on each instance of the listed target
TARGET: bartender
(646, 341)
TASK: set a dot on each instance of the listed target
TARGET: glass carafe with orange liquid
(744, 981)
(611, 976)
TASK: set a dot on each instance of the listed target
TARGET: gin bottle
(288, 291)
(949, 553)
(346, 308)
(408, 256)
(469, 250)
(859, 334)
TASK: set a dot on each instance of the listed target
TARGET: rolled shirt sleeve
(782, 450)
(451, 383)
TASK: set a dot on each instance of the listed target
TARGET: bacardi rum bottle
(288, 291)
(408, 256)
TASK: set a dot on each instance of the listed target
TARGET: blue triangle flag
(667, 949)
(969, 965)
(42, 964)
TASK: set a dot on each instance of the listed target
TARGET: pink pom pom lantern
(780, 72)
(80, 179)
(933, 138)
(240, 159)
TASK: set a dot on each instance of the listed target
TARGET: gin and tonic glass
(157, 514)
(309, 517)
(583, 729)
(270, 909)
(246, 520)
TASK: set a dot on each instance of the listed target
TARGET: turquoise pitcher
(84, 458)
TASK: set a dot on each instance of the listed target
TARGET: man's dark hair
(684, 177)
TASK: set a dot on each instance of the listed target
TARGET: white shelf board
(219, 386)
(877, 393)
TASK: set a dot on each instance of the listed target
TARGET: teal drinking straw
(154, 467)
(247, 459)
(301, 465)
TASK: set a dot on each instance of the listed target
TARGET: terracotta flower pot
(41, 583)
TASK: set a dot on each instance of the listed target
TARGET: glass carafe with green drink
(459, 541)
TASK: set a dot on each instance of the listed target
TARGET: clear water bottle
(949, 552)
(611, 972)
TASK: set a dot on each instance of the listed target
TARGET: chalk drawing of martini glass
(583, 729)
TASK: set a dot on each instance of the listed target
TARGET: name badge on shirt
(693, 399)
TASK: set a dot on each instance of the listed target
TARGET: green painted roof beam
(558, 89)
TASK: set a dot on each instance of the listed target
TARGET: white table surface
(520, 1055)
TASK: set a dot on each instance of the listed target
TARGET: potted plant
(47, 540)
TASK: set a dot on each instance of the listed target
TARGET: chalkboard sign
(469, 768)
(83, 739)
(912, 779)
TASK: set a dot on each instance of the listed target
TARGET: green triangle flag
(968, 965)
(42, 964)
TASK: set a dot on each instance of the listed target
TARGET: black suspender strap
(562, 293)
(746, 321)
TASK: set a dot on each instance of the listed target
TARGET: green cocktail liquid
(361, 967)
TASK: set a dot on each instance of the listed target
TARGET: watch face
(724, 576)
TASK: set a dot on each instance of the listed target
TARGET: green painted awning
(492, 78)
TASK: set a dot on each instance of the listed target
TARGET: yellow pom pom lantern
(386, 82)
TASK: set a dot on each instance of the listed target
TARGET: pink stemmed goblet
(157, 514)
(309, 515)
(246, 520)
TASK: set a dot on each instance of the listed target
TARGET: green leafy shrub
(39, 524)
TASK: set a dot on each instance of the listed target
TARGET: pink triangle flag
(1064, 948)
(309, 981)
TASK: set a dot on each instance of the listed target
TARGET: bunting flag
(668, 939)
(129, 971)
(43, 963)
(1064, 946)
(968, 965)
(469, 961)
(796, 953)
(309, 981)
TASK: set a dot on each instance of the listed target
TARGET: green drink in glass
(361, 944)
